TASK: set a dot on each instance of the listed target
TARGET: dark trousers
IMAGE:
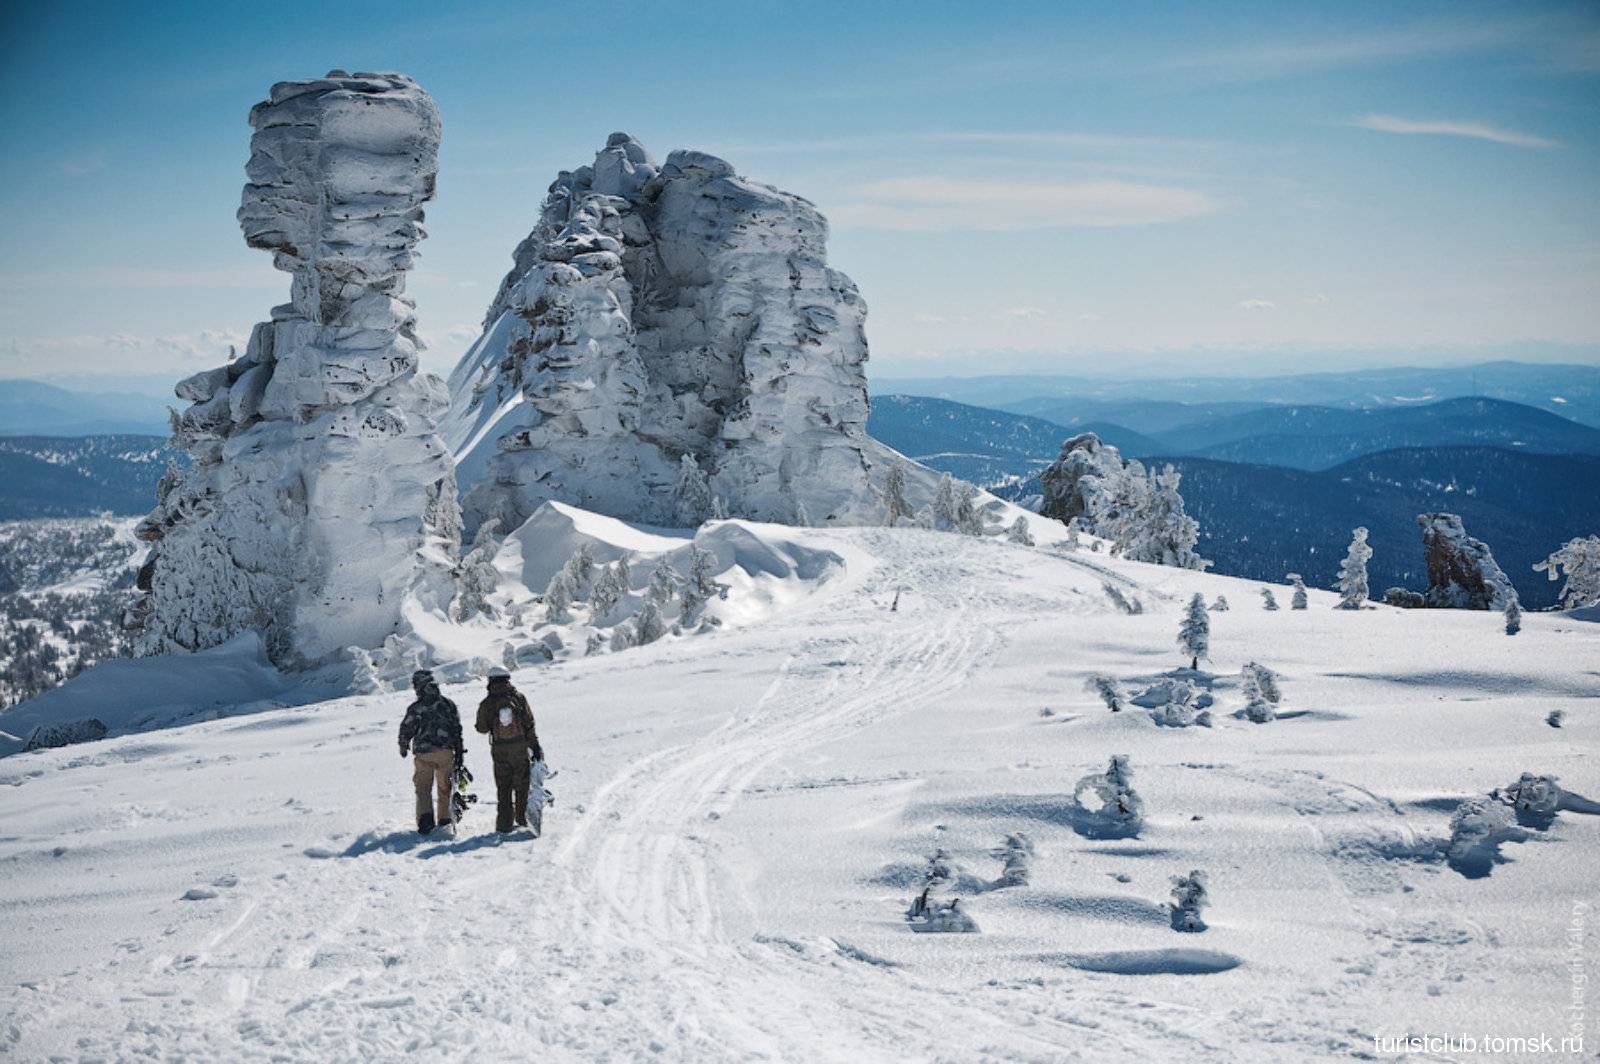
(510, 784)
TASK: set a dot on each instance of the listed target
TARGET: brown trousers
(510, 785)
(434, 770)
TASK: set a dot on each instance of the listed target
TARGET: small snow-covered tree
(622, 636)
(1555, 717)
(1579, 560)
(1017, 853)
(663, 586)
(701, 585)
(1018, 532)
(970, 518)
(1269, 601)
(719, 509)
(558, 599)
(609, 589)
(692, 496)
(579, 570)
(1109, 692)
(944, 503)
(1189, 896)
(894, 496)
(1220, 604)
(802, 516)
(1513, 614)
(648, 624)
(1352, 583)
(1298, 601)
(1114, 789)
(476, 576)
(1122, 602)
(1072, 541)
(1194, 634)
(1152, 525)
(1260, 686)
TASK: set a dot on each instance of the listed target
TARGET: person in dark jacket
(505, 716)
(432, 730)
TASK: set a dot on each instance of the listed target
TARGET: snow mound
(139, 694)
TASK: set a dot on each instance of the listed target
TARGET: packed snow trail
(741, 817)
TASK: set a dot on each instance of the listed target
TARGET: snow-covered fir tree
(1260, 687)
(1189, 896)
(1513, 614)
(558, 599)
(1352, 583)
(944, 503)
(1298, 600)
(610, 587)
(701, 585)
(1579, 560)
(1194, 634)
(1018, 532)
(896, 507)
(663, 586)
(476, 576)
(1155, 527)
(1269, 601)
(1114, 790)
(970, 520)
(1017, 853)
(1072, 542)
(692, 495)
(648, 624)
(579, 571)
(719, 509)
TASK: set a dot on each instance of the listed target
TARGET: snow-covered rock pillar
(320, 494)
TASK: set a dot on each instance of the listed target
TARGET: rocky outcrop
(657, 312)
(1066, 493)
(320, 493)
(1462, 573)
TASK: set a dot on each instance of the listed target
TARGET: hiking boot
(425, 824)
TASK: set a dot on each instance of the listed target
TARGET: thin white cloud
(931, 204)
(1024, 312)
(1258, 304)
(1475, 130)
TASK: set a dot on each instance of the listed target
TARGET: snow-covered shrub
(1533, 796)
(579, 571)
(1555, 717)
(1404, 598)
(1513, 614)
(622, 636)
(896, 507)
(1477, 828)
(1194, 634)
(701, 585)
(1114, 790)
(648, 624)
(719, 509)
(1352, 583)
(1269, 602)
(1109, 692)
(1018, 532)
(1017, 853)
(1220, 604)
(1298, 600)
(944, 503)
(609, 589)
(1579, 559)
(943, 916)
(1072, 543)
(1121, 601)
(1260, 687)
(1189, 896)
(970, 519)
(663, 586)
(476, 576)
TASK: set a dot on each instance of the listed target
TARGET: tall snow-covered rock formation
(1462, 572)
(657, 312)
(320, 493)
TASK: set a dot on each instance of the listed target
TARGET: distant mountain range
(55, 476)
(1261, 521)
(1302, 437)
(1572, 391)
(31, 408)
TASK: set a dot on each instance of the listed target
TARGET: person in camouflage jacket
(431, 729)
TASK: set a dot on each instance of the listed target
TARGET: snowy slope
(742, 817)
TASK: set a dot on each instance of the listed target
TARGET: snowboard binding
(461, 799)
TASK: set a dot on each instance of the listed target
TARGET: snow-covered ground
(744, 815)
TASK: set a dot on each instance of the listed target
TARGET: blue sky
(1073, 188)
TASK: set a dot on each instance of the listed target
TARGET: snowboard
(461, 798)
(539, 796)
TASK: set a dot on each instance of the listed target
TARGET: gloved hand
(403, 751)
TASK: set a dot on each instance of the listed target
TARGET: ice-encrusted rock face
(658, 312)
(1462, 573)
(320, 492)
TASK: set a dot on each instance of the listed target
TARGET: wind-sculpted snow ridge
(658, 313)
(320, 493)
